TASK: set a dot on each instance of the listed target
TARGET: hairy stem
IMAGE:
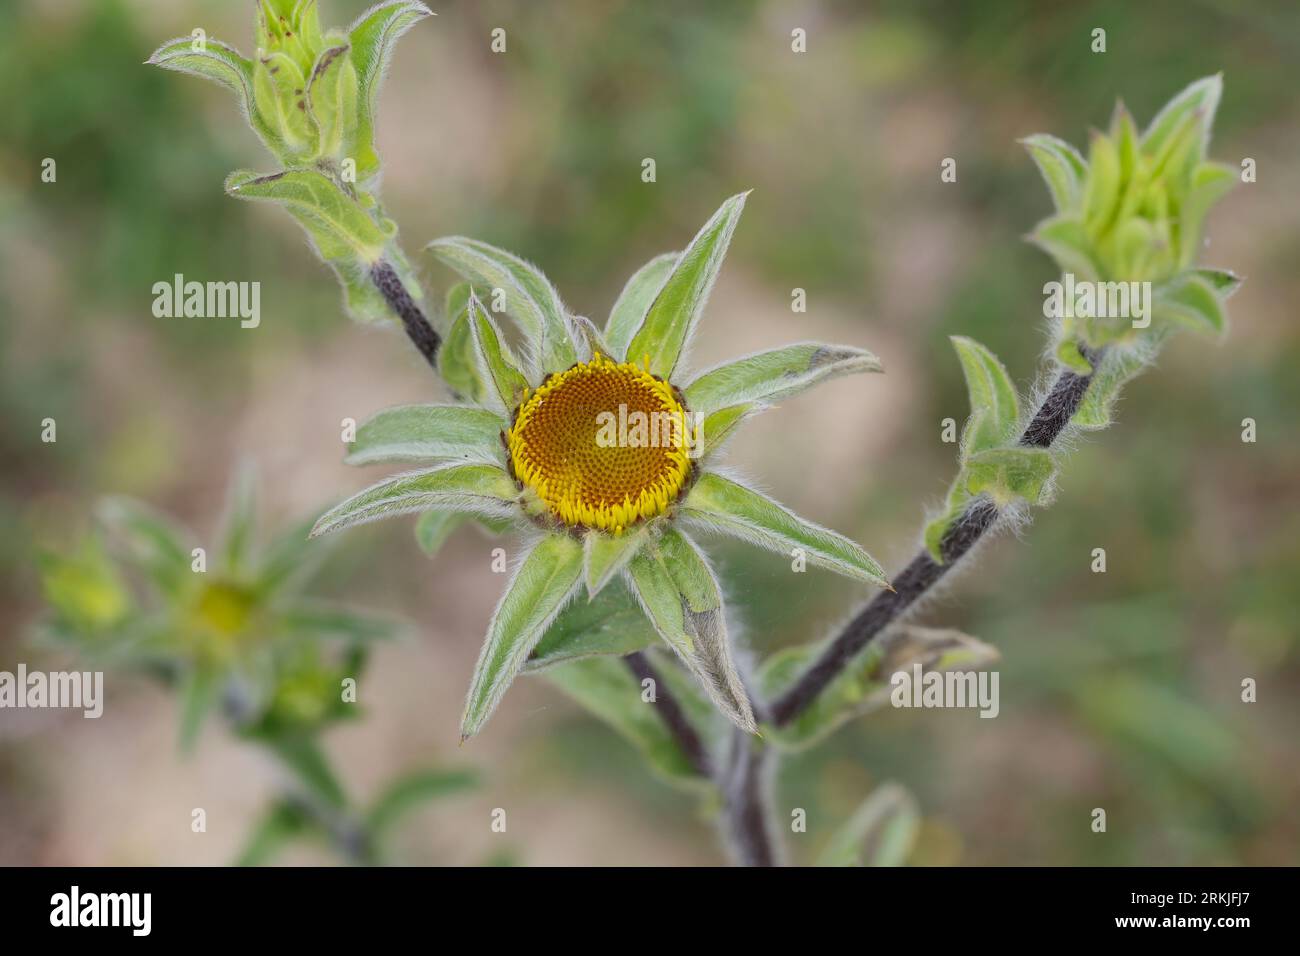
(399, 299)
(746, 785)
(672, 714)
(923, 572)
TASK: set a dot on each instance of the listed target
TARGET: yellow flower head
(565, 445)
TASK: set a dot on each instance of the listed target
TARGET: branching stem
(923, 572)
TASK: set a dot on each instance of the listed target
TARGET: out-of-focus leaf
(1192, 303)
(411, 791)
(302, 753)
(199, 692)
(284, 822)
(864, 684)
(881, 832)
(152, 541)
(239, 523)
(324, 619)
(607, 688)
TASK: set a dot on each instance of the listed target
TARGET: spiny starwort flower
(311, 97)
(1132, 213)
(599, 444)
(237, 634)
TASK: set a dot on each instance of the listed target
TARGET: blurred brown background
(1118, 690)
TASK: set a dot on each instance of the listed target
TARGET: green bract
(667, 585)
(310, 97)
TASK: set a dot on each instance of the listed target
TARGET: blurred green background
(1119, 690)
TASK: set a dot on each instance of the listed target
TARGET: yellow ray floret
(604, 444)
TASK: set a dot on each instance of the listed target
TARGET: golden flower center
(604, 444)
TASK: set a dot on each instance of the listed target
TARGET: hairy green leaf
(719, 503)
(496, 363)
(995, 408)
(1010, 474)
(670, 321)
(477, 489)
(1062, 167)
(541, 586)
(333, 216)
(529, 296)
(675, 584)
(635, 301)
(372, 38)
(425, 432)
(776, 374)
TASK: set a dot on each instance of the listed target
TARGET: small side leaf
(1010, 474)
(1190, 303)
(1118, 366)
(864, 684)
(995, 408)
(318, 201)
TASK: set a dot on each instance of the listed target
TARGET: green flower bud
(1133, 212)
